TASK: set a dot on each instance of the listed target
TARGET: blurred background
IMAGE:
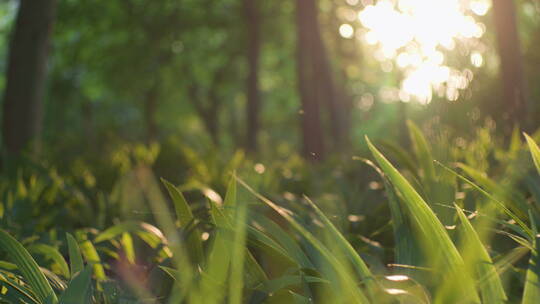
(100, 99)
(93, 91)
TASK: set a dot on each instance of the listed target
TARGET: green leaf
(359, 264)
(236, 281)
(476, 255)
(75, 258)
(181, 206)
(535, 151)
(531, 292)
(90, 254)
(184, 217)
(406, 251)
(15, 292)
(53, 254)
(288, 244)
(78, 291)
(436, 240)
(526, 231)
(218, 260)
(422, 150)
(127, 247)
(230, 197)
(513, 200)
(350, 291)
(28, 267)
(173, 273)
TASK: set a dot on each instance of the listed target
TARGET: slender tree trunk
(252, 16)
(26, 74)
(323, 77)
(514, 91)
(312, 134)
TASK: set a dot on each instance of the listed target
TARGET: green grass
(480, 247)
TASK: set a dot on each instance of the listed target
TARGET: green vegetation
(247, 248)
(261, 152)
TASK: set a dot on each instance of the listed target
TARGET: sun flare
(418, 35)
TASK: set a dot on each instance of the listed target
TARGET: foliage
(247, 248)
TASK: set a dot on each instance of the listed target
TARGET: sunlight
(416, 35)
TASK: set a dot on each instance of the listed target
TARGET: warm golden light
(346, 30)
(416, 35)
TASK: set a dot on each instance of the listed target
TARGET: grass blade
(535, 151)
(28, 267)
(435, 237)
(359, 264)
(476, 254)
(422, 150)
(90, 254)
(53, 254)
(75, 258)
(185, 217)
(181, 206)
(526, 230)
(78, 291)
(347, 283)
(531, 292)
(238, 254)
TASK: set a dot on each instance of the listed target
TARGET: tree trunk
(312, 134)
(252, 16)
(514, 93)
(324, 80)
(26, 74)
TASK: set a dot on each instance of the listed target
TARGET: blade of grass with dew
(359, 264)
(78, 291)
(75, 258)
(28, 267)
(351, 292)
(490, 285)
(431, 228)
(527, 232)
(535, 151)
(531, 291)
(184, 217)
(53, 254)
